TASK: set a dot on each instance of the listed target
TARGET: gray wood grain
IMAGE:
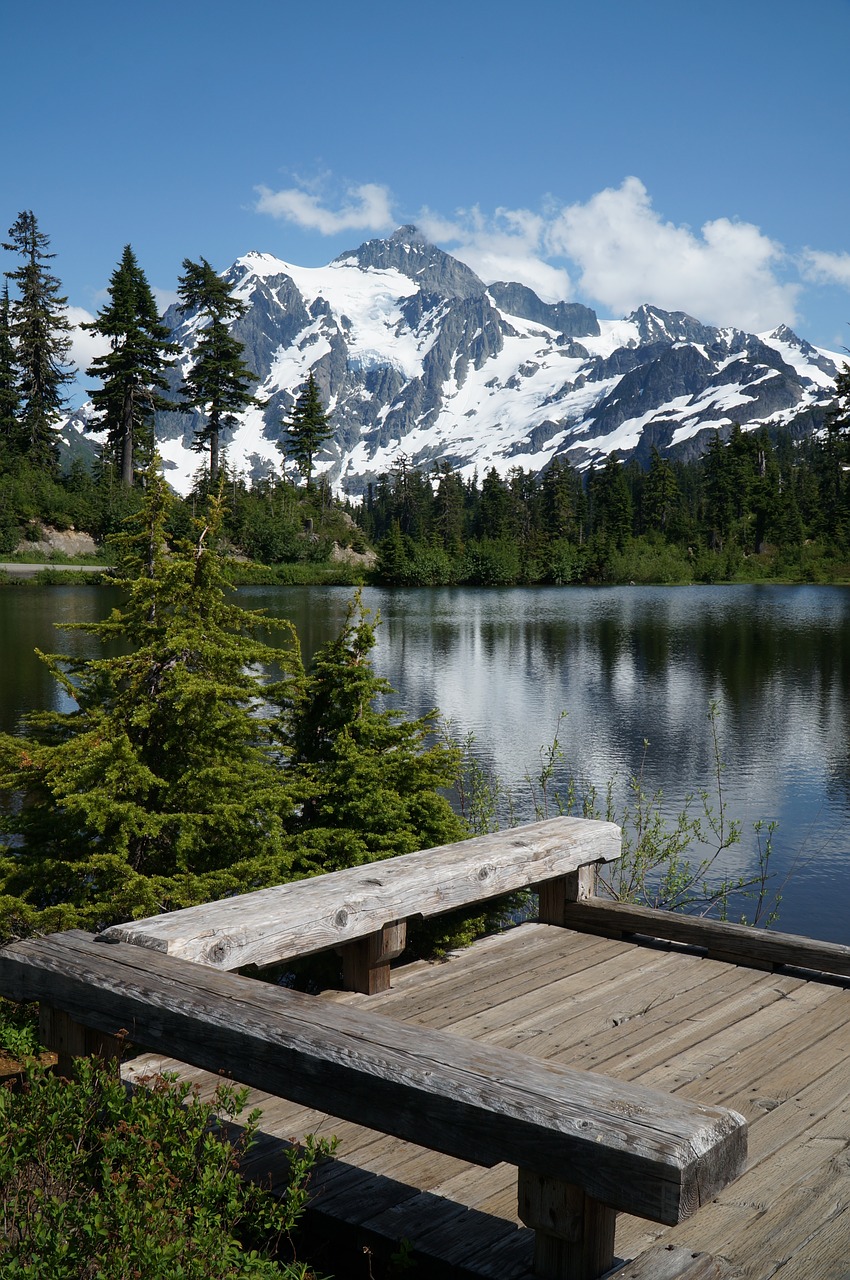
(736, 943)
(634, 1149)
(332, 910)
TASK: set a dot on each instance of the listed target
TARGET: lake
(627, 665)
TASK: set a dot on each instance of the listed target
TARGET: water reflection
(627, 664)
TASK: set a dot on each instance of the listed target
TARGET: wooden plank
(674, 1262)
(633, 1149)
(306, 916)
(507, 984)
(733, 942)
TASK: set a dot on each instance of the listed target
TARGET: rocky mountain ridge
(415, 355)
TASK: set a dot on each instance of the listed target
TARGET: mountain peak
(407, 250)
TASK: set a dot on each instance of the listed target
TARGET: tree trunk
(127, 441)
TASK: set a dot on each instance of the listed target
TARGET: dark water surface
(626, 664)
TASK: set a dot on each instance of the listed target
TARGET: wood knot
(487, 871)
(219, 952)
(341, 918)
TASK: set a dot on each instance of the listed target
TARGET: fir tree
(307, 429)
(132, 372)
(164, 786)
(218, 383)
(369, 778)
(188, 771)
(39, 329)
(11, 443)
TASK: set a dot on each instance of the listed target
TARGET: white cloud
(368, 208)
(508, 246)
(627, 255)
(84, 345)
(164, 297)
(826, 268)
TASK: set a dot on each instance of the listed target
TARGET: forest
(762, 504)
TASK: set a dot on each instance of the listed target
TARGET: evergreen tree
(307, 429)
(369, 778)
(188, 771)
(218, 382)
(39, 329)
(11, 443)
(612, 501)
(166, 774)
(132, 372)
(660, 494)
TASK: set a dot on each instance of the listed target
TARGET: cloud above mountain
(366, 207)
(614, 250)
(626, 252)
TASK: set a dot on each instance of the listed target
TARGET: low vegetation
(100, 1182)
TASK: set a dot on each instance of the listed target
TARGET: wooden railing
(585, 1146)
(363, 910)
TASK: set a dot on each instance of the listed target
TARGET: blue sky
(694, 156)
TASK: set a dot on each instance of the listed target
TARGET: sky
(628, 151)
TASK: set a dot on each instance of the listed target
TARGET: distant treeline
(757, 505)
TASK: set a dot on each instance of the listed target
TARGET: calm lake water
(627, 665)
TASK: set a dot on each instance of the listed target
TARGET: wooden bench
(363, 910)
(586, 1146)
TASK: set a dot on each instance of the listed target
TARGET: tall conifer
(132, 372)
(218, 382)
(40, 330)
(307, 429)
(11, 442)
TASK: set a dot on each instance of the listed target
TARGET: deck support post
(573, 1234)
(366, 962)
(576, 886)
(69, 1039)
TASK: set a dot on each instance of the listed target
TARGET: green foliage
(307, 429)
(19, 1030)
(758, 505)
(39, 329)
(218, 382)
(137, 800)
(369, 778)
(102, 1183)
(201, 760)
(657, 866)
(132, 372)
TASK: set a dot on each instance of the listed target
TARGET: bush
(99, 1182)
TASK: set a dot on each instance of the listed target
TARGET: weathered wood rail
(363, 910)
(586, 1146)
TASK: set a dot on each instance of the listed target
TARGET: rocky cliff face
(413, 354)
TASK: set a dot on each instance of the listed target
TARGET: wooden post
(69, 1039)
(573, 1234)
(366, 962)
(575, 886)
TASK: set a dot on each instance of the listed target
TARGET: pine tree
(307, 429)
(164, 786)
(218, 383)
(369, 779)
(40, 329)
(188, 770)
(11, 442)
(132, 372)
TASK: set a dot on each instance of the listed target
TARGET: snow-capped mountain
(413, 354)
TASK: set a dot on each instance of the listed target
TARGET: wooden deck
(772, 1046)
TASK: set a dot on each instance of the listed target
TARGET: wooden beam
(573, 1234)
(634, 1149)
(735, 943)
(306, 916)
(69, 1039)
(366, 963)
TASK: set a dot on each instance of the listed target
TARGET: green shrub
(99, 1182)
